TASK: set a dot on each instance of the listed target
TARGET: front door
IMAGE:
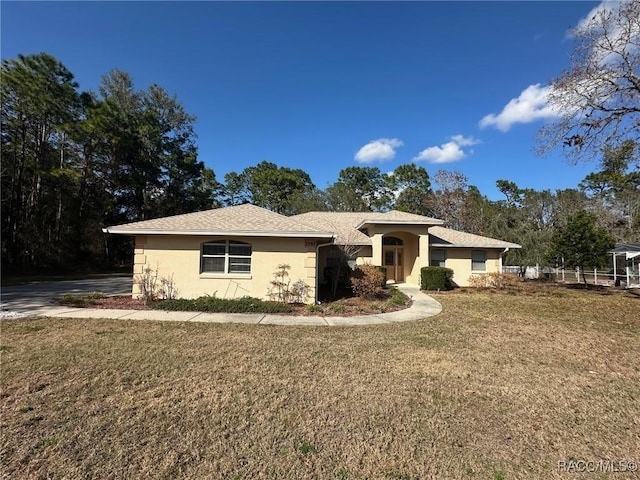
(394, 263)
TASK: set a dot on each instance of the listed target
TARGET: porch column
(423, 245)
(311, 269)
(376, 249)
(139, 264)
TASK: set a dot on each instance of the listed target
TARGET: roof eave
(466, 245)
(398, 222)
(361, 244)
(243, 233)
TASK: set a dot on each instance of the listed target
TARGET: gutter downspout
(317, 259)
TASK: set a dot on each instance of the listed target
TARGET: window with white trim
(226, 256)
(438, 258)
(478, 261)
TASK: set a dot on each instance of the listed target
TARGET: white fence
(625, 278)
(531, 273)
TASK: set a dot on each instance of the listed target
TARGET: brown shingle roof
(346, 224)
(445, 237)
(403, 217)
(343, 223)
(241, 219)
(250, 220)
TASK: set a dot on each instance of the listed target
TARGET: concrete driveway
(32, 296)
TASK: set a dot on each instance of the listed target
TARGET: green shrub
(436, 278)
(398, 299)
(222, 305)
(366, 281)
(313, 308)
(336, 308)
(84, 301)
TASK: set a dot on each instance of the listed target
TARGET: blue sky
(327, 85)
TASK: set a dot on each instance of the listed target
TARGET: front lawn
(497, 386)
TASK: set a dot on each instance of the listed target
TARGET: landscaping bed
(541, 288)
(387, 300)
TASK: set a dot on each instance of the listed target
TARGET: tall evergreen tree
(279, 189)
(359, 189)
(73, 162)
(39, 102)
(581, 243)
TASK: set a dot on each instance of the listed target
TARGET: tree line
(74, 162)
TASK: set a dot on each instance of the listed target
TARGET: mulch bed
(342, 307)
(124, 302)
(542, 288)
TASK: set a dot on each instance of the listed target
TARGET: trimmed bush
(366, 281)
(436, 278)
(222, 305)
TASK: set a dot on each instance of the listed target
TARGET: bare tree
(598, 99)
(447, 202)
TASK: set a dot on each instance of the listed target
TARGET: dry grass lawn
(497, 386)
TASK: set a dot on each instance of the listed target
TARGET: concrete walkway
(423, 306)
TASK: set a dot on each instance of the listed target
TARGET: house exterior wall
(365, 255)
(179, 255)
(459, 260)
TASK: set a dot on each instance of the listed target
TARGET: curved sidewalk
(423, 306)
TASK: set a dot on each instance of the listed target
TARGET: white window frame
(441, 263)
(227, 256)
(483, 261)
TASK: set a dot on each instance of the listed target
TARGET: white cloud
(586, 23)
(464, 141)
(604, 23)
(380, 150)
(451, 151)
(531, 105)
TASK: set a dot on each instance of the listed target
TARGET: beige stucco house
(232, 252)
